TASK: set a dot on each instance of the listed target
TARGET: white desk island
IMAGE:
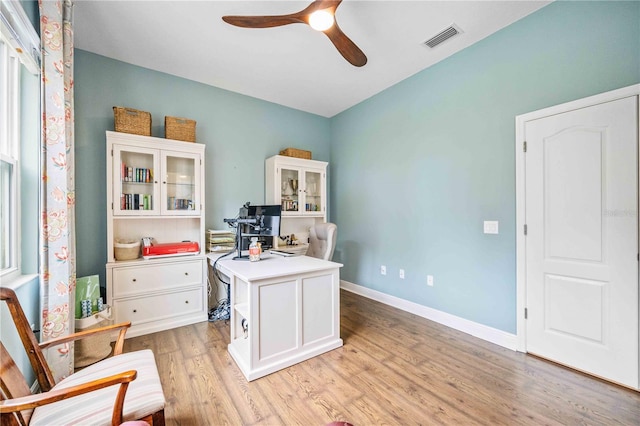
(284, 310)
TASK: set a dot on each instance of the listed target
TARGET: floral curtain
(57, 223)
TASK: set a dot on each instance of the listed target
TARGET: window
(9, 158)
(20, 118)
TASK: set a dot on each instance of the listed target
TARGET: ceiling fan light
(321, 20)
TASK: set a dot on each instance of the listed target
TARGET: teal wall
(419, 167)
(415, 170)
(32, 10)
(239, 132)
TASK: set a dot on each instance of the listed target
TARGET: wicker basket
(297, 153)
(129, 120)
(180, 129)
(93, 348)
(126, 249)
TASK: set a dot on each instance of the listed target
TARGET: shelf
(240, 348)
(242, 309)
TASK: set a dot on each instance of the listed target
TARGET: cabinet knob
(186, 301)
(186, 273)
(134, 280)
(135, 310)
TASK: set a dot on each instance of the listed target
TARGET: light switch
(490, 226)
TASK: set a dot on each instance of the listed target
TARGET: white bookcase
(155, 188)
(300, 187)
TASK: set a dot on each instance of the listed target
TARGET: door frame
(521, 120)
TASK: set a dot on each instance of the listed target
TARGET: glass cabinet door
(290, 191)
(180, 191)
(135, 182)
(313, 191)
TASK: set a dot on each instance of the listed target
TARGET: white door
(581, 177)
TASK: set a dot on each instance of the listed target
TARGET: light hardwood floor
(395, 368)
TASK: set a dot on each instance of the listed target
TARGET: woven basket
(129, 120)
(93, 348)
(180, 129)
(297, 153)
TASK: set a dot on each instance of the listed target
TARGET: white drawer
(131, 281)
(155, 308)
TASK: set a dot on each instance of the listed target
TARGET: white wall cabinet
(300, 187)
(155, 188)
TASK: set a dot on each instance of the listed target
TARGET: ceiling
(291, 65)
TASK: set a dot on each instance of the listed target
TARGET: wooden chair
(87, 395)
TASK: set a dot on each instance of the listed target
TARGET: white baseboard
(490, 334)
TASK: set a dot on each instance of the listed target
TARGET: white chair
(322, 240)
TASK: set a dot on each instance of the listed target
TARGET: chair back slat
(13, 385)
(33, 350)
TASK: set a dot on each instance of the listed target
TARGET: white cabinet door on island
(284, 310)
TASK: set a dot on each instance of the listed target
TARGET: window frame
(10, 152)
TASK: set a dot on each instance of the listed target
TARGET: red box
(171, 249)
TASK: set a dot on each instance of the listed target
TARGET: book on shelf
(135, 174)
(136, 202)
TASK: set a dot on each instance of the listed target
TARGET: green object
(87, 288)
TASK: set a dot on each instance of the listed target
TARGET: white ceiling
(291, 65)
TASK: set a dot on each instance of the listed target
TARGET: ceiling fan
(319, 15)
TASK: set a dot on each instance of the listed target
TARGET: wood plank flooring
(394, 369)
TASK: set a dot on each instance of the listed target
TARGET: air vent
(443, 36)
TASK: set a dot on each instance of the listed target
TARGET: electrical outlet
(402, 273)
(383, 270)
(430, 280)
(491, 227)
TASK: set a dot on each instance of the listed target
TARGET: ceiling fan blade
(345, 46)
(263, 21)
